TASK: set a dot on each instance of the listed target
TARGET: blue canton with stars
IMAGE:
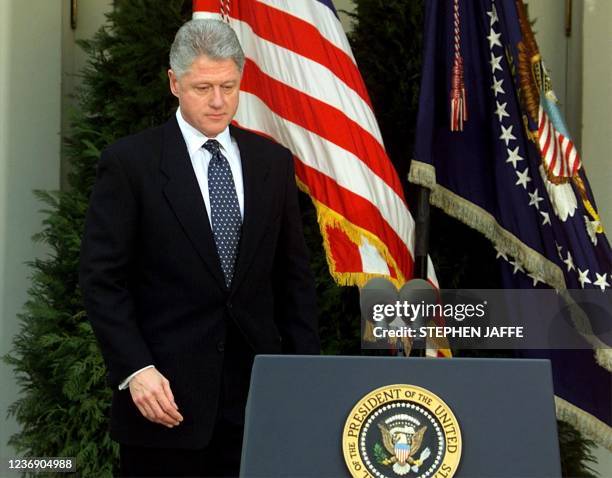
(224, 209)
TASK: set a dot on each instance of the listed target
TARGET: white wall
(597, 126)
(562, 55)
(347, 5)
(90, 17)
(30, 80)
(597, 104)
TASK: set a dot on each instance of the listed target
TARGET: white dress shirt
(200, 159)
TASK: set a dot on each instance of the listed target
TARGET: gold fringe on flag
(327, 217)
(587, 203)
(584, 422)
(478, 218)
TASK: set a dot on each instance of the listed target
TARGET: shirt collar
(195, 139)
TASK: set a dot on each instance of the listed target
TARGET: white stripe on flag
(203, 15)
(371, 260)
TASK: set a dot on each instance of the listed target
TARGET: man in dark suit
(193, 260)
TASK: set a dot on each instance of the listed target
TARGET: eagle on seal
(403, 442)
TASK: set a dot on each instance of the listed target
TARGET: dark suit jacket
(154, 290)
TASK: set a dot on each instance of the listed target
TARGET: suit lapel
(255, 169)
(185, 198)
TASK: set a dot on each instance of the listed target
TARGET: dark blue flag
(494, 150)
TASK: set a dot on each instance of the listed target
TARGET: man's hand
(151, 393)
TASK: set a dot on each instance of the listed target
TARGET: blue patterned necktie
(224, 209)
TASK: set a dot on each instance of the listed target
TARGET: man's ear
(174, 84)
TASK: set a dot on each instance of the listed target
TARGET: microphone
(373, 297)
(377, 291)
(418, 292)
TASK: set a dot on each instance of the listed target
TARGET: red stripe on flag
(542, 130)
(555, 153)
(562, 143)
(549, 133)
(566, 150)
(545, 135)
(344, 252)
(572, 157)
(321, 119)
(207, 6)
(576, 163)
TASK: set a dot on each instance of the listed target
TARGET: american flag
(301, 87)
(513, 173)
(559, 154)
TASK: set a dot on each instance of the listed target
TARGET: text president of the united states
(193, 260)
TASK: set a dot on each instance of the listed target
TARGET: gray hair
(212, 38)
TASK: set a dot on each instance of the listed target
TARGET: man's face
(208, 94)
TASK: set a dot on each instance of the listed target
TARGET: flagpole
(421, 233)
(421, 242)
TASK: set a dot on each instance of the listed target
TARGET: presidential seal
(401, 431)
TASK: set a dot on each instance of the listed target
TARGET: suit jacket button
(221, 346)
(229, 304)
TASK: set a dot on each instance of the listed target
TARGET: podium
(298, 407)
